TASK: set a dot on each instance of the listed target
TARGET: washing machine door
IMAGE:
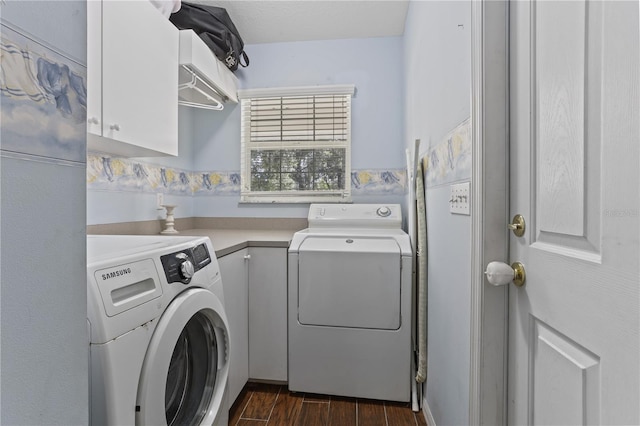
(185, 371)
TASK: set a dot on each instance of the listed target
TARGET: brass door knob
(499, 273)
(517, 225)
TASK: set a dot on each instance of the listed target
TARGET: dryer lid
(348, 244)
(314, 239)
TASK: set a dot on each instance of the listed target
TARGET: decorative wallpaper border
(122, 174)
(379, 182)
(216, 183)
(108, 173)
(450, 160)
(43, 93)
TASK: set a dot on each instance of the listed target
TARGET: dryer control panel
(182, 265)
(386, 216)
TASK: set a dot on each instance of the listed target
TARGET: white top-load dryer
(159, 336)
(349, 304)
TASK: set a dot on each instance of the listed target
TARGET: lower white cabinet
(235, 275)
(255, 294)
(268, 313)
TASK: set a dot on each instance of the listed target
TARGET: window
(296, 144)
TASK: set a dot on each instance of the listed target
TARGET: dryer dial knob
(187, 270)
(383, 211)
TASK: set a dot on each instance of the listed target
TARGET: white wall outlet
(159, 200)
(460, 199)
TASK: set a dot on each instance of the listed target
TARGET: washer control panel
(181, 266)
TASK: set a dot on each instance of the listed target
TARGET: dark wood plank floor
(273, 405)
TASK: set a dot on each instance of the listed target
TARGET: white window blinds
(296, 147)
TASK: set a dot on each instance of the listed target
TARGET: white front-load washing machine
(159, 336)
(350, 310)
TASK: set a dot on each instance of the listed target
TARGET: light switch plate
(460, 199)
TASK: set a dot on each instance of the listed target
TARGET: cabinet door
(268, 314)
(235, 274)
(139, 76)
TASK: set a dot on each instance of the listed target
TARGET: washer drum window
(192, 373)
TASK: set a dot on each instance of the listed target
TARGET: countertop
(226, 241)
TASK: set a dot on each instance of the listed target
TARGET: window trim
(294, 196)
(335, 89)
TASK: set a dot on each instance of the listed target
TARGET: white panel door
(575, 150)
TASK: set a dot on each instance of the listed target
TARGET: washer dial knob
(187, 270)
(186, 267)
(383, 211)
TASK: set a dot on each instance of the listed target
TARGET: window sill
(294, 200)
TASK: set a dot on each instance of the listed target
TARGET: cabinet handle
(247, 256)
(115, 127)
(94, 120)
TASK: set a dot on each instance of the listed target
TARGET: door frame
(489, 210)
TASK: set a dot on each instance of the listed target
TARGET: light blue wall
(44, 338)
(372, 64)
(43, 308)
(116, 205)
(61, 23)
(210, 140)
(437, 69)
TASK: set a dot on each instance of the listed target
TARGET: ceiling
(271, 21)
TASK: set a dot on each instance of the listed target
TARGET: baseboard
(426, 411)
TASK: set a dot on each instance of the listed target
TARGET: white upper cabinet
(132, 107)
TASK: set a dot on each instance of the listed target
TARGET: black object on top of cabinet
(215, 27)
